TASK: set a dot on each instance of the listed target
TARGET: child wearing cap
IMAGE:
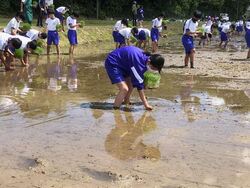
(72, 34)
(190, 32)
(12, 27)
(53, 36)
(120, 24)
(8, 46)
(155, 32)
(247, 37)
(126, 67)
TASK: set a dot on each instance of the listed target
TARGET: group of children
(13, 37)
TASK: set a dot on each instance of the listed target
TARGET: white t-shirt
(13, 23)
(49, 2)
(52, 23)
(4, 40)
(61, 9)
(147, 31)
(156, 23)
(32, 34)
(241, 22)
(126, 32)
(248, 25)
(237, 24)
(118, 26)
(71, 21)
(24, 40)
(226, 27)
(190, 25)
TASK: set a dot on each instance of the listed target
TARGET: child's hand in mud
(149, 108)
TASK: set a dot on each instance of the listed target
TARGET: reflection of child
(72, 76)
(125, 67)
(72, 34)
(53, 36)
(247, 37)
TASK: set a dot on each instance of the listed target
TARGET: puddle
(61, 109)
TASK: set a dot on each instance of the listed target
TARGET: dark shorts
(72, 36)
(115, 36)
(121, 39)
(155, 34)
(115, 74)
(53, 37)
(223, 37)
(247, 37)
(142, 35)
(239, 28)
(188, 43)
(59, 15)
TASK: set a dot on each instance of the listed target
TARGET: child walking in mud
(188, 38)
(155, 33)
(125, 68)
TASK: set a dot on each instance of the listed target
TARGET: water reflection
(125, 141)
(72, 75)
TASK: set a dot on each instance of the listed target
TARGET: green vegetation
(38, 50)
(19, 53)
(152, 80)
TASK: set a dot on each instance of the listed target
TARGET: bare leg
(48, 49)
(186, 60)
(192, 58)
(154, 46)
(130, 90)
(71, 49)
(123, 91)
(248, 54)
(57, 50)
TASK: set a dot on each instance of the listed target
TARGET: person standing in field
(60, 13)
(27, 9)
(41, 11)
(134, 12)
(140, 15)
(72, 25)
(155, 33)
(53, 37)
(189, 33)
(247, 36)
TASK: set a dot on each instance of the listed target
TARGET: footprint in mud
(101, 175)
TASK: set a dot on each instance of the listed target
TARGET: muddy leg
(48, 49)
(130, 90)
(123, 90)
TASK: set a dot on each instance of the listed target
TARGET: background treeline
(122, 8)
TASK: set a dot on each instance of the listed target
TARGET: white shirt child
(190, 25)
(32, 34)
(147, 31)
(4, 37)
(61, 9)
(71, 21)
(118, 26)
(13, 24)
(52, 23)
(156, 23)
(24, 40)
(126, 32)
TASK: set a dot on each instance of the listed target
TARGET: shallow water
(61, 109)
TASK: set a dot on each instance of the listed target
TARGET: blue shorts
(155, 34)
(219, 29)
(115, 74)
(53, 37)
(59, 15)
(239, 28)
(223, 37)
(142, 35)
(72, 36)
(247, 37)
(121, 39)
(115, 36)
(188, 43)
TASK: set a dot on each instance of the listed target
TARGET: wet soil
(58, 128)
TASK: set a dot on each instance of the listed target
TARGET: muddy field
(58, 129)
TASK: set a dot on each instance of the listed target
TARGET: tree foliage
(122, 8)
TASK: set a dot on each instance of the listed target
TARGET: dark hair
(134, 30)
(16, 42)
(32, 44)
(157, 61)
(20, 15)
(197, 14)
(75, 14)
(125, 21)
(51, 11)
(162, 15)
(43, 35)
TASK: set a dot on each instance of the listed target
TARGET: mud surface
(58, 128)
